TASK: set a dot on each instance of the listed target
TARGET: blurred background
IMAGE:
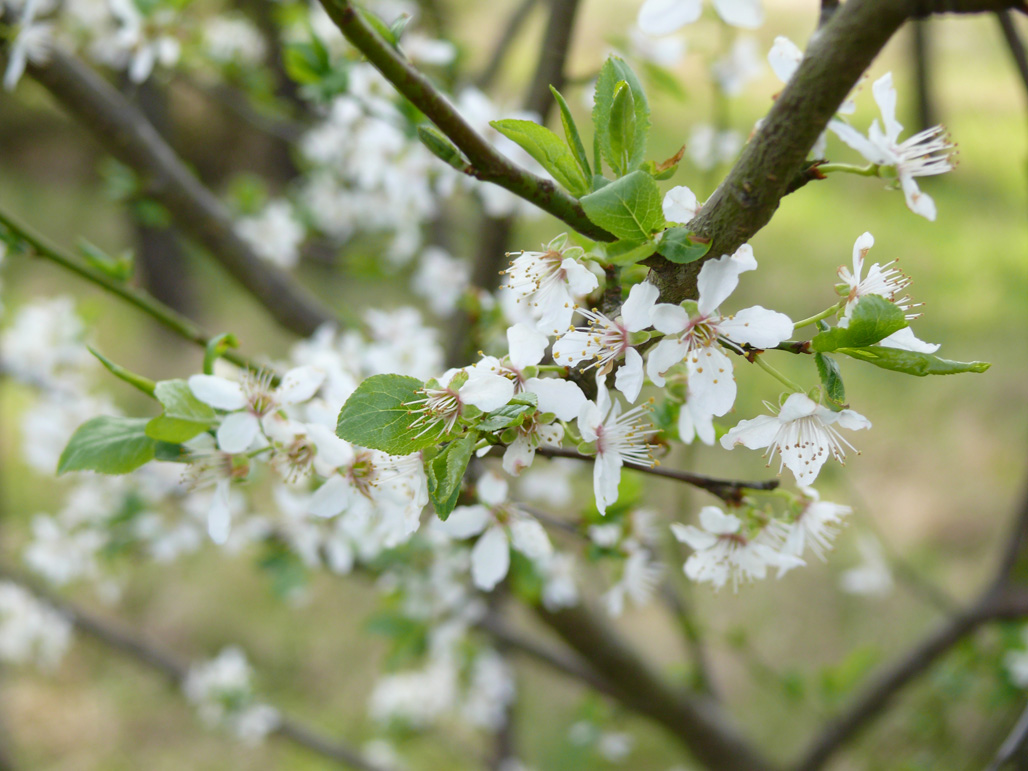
(937, 481)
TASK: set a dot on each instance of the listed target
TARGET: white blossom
(274, 234)
(222, 692)
(30, 630)
(872, 577)
(619, 438)
(662, 17)
(881, 280)
(924, 154)
(550, 281)
(803, 433)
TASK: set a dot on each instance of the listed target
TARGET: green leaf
(508, 415)
(624, 253)
(184, 416)
(376, 415)
(677, 246)
(628, 207)
(571, 134)
(831, 379)
(621, 127)
(662, 79)
(446, 471)
(614, 71)
(874, 319)
(379, 26)
(108, 445)
(441, 147)
(119, 268)
(546, 147)
(912, 363)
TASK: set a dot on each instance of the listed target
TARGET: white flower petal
(662, 17)
(885, 96)
(664, 355)
(518, 456)
(905, 340)
(529, 538)
(218, 392)
(492, 489)
(561, 397)
(486, 390)
(784, 58)
(679, 204)
(527, 345)
(331, 498)
(693, 536)
(669, 319)
(719, 278)
(629, 378)
(237, 432)
(219, 516)
(692, 424)
(637, 308)
(712, 387)
(580, 278)
(606, 480)
(590, 417)
(299, 384)
(490, 559)
(757, 326)
(716, 521)
(917, 202)
(464, 521)
(858, 142)
(748, 14)
(754, 434)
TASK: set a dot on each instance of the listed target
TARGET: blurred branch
(730, 491)
(835, 59)
(171, 319)
(697, 722)
(237, 102)
(1014, 743)
(176, 670)
(1003, 598)
(488, 164)
(127, 135)
(501, 48)
(1015, 44)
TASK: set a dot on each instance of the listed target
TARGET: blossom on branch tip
(619, 438)
(605, 341)
(803, 433)
(722, 551)
(694, 338)
(551, 280)
(881, 280)
(924, 154)
(252, 401)
(443, 402)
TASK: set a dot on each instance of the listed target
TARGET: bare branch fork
(176, 670)
(126, 133)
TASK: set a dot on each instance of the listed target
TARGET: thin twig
(123, 130)
(1014, 743)
(728, 490)
(176, 670)
(488, 163)
(168, 317)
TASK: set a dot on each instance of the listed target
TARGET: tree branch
(1015, 44)
(489, 164)
(697, 723)
(836, 58)
(168, 317)
(729, 490)
(1013, 743)
(176, 670)
(129, 137)
(1001, 599)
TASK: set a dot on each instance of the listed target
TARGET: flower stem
(818, 316)
(759, 361)
(871, 170)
